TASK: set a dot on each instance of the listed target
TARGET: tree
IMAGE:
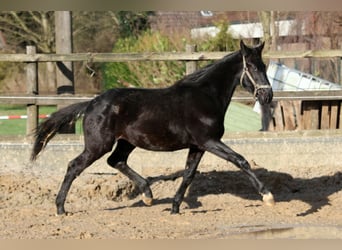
(267, 19)
(93, 32)
(29, 27)
(23, 28)
(133, 23)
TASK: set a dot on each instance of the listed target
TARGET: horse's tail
(48, 128)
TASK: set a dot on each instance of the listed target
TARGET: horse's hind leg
(96, 145)
(118, 160)
(75, 168)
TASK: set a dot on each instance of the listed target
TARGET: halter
(246, 72)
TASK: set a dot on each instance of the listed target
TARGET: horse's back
(164, 119)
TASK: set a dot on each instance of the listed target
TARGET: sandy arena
(220, 203)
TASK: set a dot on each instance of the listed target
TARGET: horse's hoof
(147, 200)
(268, 199)
(64, 214)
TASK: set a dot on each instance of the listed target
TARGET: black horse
(189, 114)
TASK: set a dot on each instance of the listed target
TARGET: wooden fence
(292, 110)
(309, 114)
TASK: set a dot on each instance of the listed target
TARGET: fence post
(65, 73)
(339, 66)
(192, 65)
(32, 89)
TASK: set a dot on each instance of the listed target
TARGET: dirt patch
(219, 204)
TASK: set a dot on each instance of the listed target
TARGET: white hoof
(268, 199)
(65, 214)
(147, 201)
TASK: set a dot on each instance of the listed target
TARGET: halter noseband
(246, 72)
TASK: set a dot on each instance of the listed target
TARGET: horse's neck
(225, 79)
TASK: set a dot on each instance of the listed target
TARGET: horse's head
(253, 76)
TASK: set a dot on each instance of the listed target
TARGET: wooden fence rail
(278, 96)
(32, 99)
(156, 56)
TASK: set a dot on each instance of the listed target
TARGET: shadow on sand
(285, 188)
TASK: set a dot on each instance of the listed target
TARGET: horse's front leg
(194, 157)
(223, 151)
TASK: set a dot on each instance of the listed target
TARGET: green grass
(18, 126)
(239, 118)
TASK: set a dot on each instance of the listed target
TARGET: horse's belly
(157, 139)
(155, 147)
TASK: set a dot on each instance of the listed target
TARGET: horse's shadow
(285, 188)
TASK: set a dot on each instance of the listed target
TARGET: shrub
(143, 74)
(223, 41)
(158, 73)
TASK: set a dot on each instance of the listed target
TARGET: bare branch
(19, 21)
(114, 18)
(8, 22)
(35, 18)
(19, 34)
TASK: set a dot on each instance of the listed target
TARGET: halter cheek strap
(245, 71)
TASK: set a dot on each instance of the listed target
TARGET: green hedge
(143, 74)
(158, 73)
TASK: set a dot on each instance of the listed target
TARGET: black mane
(199, 75)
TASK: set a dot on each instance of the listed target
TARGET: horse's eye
(252, 67)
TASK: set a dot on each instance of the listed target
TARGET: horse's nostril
(264, 96)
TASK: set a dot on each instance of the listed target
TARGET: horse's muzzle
(264, 95)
